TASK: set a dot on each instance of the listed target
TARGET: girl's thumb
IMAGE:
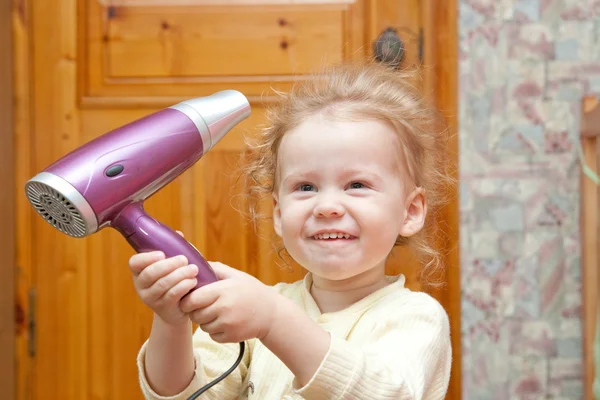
(223, 271)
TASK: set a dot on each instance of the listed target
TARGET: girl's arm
(169, 361)
(297, 340)
(409, 356)
(173, 364)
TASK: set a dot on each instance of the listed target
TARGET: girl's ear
(414, 214)
(276, 215)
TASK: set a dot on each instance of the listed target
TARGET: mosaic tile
(531, 42)
(524, 66)
(532, 338)
(528, 377)
(527, 10)
(574, 40)
(565, 378)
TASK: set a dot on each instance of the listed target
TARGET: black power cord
(220, 378)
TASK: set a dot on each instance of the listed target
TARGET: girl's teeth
(332, 236)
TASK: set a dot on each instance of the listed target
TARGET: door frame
(440, 25)
(7, 206)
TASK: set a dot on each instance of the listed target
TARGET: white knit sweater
(392, 344)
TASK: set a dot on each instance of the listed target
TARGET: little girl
(351, 160)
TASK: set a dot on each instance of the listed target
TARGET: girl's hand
(235, 308)
(161, 283)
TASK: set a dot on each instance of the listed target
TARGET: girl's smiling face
(343, 196)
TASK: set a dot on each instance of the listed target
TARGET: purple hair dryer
(105, 182)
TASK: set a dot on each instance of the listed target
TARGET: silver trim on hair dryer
(209, 113)
(84, 224)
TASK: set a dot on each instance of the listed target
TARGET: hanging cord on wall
(220, 378)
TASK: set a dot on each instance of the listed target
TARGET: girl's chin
(334, 271)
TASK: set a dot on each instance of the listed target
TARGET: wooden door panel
(137, 51)
(226, 232)
(196, 41)
(227, 235)
(116, 320)
(98, 67)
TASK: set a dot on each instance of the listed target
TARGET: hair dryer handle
(151, 235)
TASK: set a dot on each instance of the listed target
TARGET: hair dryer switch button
(114, 170)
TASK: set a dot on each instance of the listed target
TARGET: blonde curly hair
(363, 91)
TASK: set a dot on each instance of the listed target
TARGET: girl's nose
(328, 207)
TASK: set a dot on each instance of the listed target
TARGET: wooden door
(85, 67)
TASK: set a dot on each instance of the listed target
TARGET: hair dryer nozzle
(215, 115)
(61, 205)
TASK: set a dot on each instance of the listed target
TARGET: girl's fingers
(212, 327)
(152, 273)
(203, 316)
(179, 290)
(163, 285)
(138, 262)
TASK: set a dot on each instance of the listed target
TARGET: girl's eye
(356, 185)
(306, 187)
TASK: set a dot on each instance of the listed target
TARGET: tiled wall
(524, 67)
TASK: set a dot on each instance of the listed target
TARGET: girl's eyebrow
(360, 174)
(295, 175)
(350, 173)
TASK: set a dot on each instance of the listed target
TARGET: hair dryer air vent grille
(56, 209)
